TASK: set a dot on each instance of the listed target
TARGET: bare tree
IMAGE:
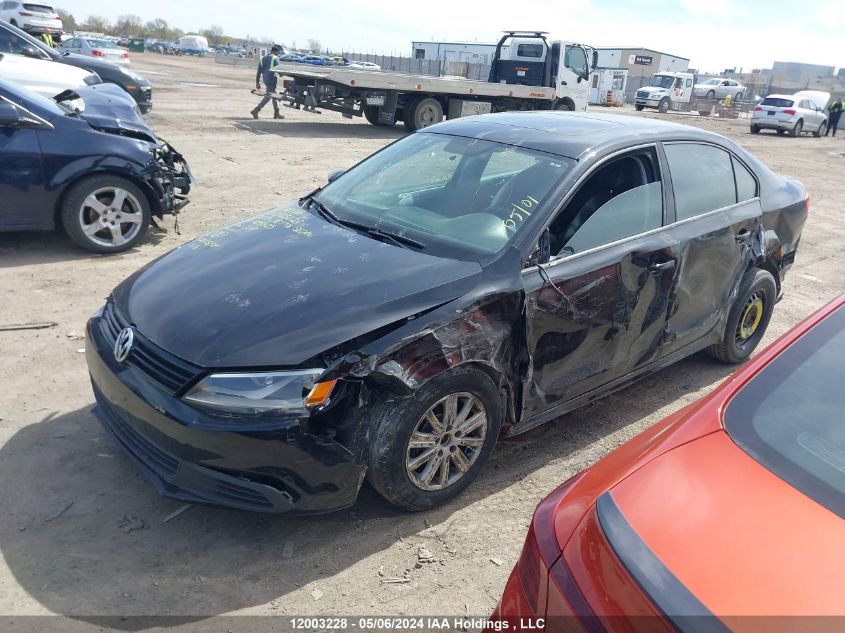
(314, 45)
(68, 21)
(129, 25)
(214, 34)
(96, 24)
(158, 29)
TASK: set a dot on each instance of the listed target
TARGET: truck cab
(527, 58)
(665, 91)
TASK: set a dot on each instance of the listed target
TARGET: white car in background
(801, 112)
(32, 17)
(363, 66)
(718, 88)
(96, 47)
(47, 78)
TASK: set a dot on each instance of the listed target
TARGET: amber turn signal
(319, 395)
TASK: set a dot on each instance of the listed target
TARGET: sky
(713, 34)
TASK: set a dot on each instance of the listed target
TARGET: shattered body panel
(291, 290)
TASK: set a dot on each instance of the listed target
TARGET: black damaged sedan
(477, 278)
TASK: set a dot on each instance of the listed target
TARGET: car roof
(570, 134)
(778, 96)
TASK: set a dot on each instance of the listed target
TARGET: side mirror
(542, 253)
(9, 115)
(31, 51)
(337, 173)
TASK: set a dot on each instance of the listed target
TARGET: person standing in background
(835, 110)
(265, 73)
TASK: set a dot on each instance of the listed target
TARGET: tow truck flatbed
(404, 82)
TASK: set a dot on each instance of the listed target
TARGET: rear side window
(777, 103)
(702, 178)
(530, 50)
(789, 416)
(746, 185)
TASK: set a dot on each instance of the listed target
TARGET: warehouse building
(467, 52)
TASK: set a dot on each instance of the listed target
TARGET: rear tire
(663, 107)
(393, 469)
(781, 132)
(422, 113)
(796, 131)
(822, 129)
(755, 129)
(92, 218)
(371, 113)
(748, 318)
(704, 113)
(711, 94)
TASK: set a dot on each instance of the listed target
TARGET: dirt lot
(111, 553)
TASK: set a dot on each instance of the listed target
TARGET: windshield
(661, 81)
(776, 102)
(462, 198)
(789, 417)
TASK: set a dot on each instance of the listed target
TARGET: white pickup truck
(673, 91)
(527, 73)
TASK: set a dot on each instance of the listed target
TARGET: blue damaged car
(86, 163)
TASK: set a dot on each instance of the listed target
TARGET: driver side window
(576, 60)
(621, 199)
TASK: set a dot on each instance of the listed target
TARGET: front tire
(426, 449)
(755, 129)
(639, 108)
(565, 105)
(822, 129)
(748, 318)
(105, 214)
(663, 107)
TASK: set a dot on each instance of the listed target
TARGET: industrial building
(467, 52)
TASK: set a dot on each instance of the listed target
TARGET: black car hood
(110, 109)
(281, 288)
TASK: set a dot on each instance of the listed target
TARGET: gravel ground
(83, 534)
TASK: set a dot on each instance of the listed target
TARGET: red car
(732, 506)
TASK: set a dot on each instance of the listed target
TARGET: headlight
(93, 79)
(283, 391)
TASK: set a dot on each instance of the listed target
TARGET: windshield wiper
(373, 231)
(397, 238)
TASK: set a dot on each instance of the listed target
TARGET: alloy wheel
(110, 216)
(446, 441)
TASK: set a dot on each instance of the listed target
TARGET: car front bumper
(282, 468)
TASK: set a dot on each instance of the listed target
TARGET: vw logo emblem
(123, 344)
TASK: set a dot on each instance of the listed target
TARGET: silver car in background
(791, 113)
(717, 88)
(96, 47)
(32, 17)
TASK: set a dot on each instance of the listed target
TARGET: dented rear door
(715, 236)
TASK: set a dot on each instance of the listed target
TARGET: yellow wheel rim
(751, 317)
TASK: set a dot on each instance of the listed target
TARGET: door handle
(667, 265)
(743, 236)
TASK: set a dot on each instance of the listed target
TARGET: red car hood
(741, 540)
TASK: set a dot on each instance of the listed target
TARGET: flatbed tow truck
(527, 73)
(673, 91)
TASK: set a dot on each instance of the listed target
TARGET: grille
(164, 368)
(642, 94)
(152, 456)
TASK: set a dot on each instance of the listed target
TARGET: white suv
(791, 113)
(30, 16)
